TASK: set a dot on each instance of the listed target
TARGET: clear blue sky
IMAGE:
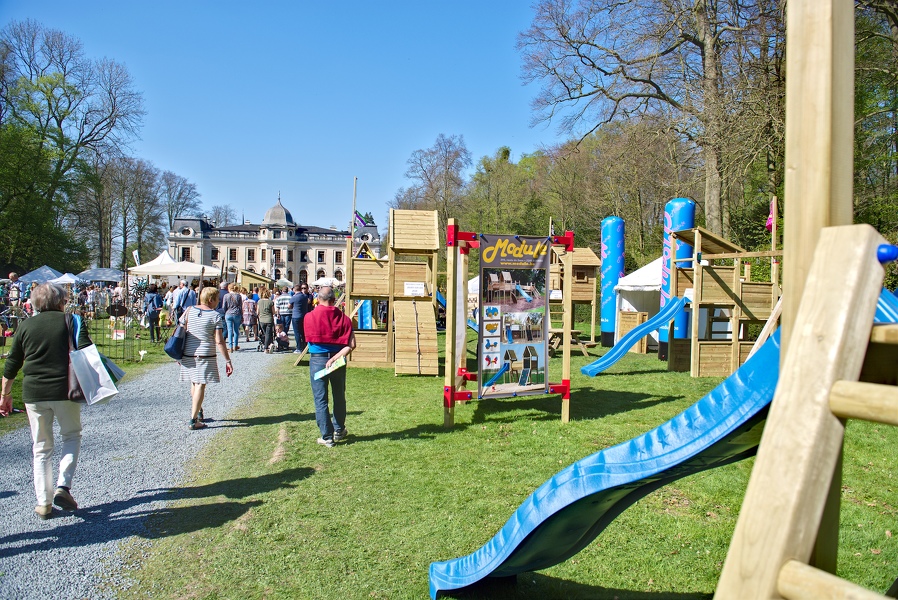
(248, 99)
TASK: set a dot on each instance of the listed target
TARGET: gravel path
(133, 455)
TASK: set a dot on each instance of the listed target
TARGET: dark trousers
(284, 320)
(267, 334)
(155, 333)
(299, 334)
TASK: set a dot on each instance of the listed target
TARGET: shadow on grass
(110, 521)
(537, 585)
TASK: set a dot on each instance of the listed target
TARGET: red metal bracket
(563, 388)
(466, 375)
(450, 397)
(566, 240)
(454, 236)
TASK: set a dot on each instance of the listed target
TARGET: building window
(290, 275)
(338, 257)
(321, 256)
(303, 256)
(263, 253)
(321, 273)
(251, 269)
(303, 277)
(185, 253)
(339, 275)
(276, 235)
(232, 254)
(289, 255)
(276, 255)
(251, 255)
(214, 253)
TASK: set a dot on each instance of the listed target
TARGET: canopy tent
(328, 281)
(640, 291)
(101, 274)
(164, 265)
(40, 275)
(474, 285)
(66, 278)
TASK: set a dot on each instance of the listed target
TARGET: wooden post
(452, 349)
(819, 159)
(567, 264)
(697, 275)
(819, 135)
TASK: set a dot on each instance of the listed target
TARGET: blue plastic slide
(566, 513)
(523, 293)
(886, 307)
(665, 316)
(472, 324)
(498, 374)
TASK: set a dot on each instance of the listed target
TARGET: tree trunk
(711, 116)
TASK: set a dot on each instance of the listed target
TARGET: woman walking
(250, 324)
(41, 344)
(232, 304)
(199, 365)
(265, 309)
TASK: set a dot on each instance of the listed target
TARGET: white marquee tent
(640, 291)
(166, 266)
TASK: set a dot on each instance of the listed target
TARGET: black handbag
(174, 347)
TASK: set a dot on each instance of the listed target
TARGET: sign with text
(513, 316)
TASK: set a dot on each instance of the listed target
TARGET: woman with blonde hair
(199, 365)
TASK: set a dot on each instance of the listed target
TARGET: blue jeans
(299, 334)
(285, 320)
(233, 324)
(337, 381)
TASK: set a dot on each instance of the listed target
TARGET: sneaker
(44, 511)
(324, 442)
(297, 351)
(64, 500)
(339, 436)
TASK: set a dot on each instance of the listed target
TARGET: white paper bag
(92, 375)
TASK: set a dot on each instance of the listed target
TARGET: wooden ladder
(789, 517)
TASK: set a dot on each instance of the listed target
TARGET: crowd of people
(212, 319)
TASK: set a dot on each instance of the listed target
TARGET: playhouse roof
(585, 257)
(711, 242)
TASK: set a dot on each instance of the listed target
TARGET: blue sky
(248, 100)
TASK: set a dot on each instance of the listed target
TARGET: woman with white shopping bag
(41, 350)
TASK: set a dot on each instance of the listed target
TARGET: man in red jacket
(330, 337)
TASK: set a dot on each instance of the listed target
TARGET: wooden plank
(867, 401)
(761, 254)
(798, 581)
(885, 334)
(802, 440)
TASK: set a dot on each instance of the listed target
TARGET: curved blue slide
(664, 316)
(441, 299)
(566, 513)
(521, 291)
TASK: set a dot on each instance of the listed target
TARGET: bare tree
(223, 215)
(179, 196)
(438, 175)
(602, 60)
(75, 104)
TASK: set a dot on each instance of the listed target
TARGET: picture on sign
(513, 318)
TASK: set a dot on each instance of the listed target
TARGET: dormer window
(276, 235)
(187, 231)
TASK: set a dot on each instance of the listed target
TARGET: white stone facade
(277, 248)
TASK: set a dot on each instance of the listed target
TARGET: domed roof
(278, 215)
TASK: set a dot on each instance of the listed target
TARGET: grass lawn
(268, 513)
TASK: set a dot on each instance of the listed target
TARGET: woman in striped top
(199, 364)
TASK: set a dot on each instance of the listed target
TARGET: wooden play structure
(790, 516)
(720, 293)
(521, 369)
(585, 267)
(405, 280)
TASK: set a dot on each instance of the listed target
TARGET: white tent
(65, 278)
(164, 265)
(640, 291)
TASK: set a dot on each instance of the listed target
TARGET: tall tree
(223, 215)
(603, 60)
(179, 196)
(438, 175)
(76, 105)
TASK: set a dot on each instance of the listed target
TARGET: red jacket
(327, 325)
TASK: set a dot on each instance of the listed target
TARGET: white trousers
(40, 417)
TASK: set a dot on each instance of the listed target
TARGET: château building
(277, 247)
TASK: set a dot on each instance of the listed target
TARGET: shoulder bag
(174, 347)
